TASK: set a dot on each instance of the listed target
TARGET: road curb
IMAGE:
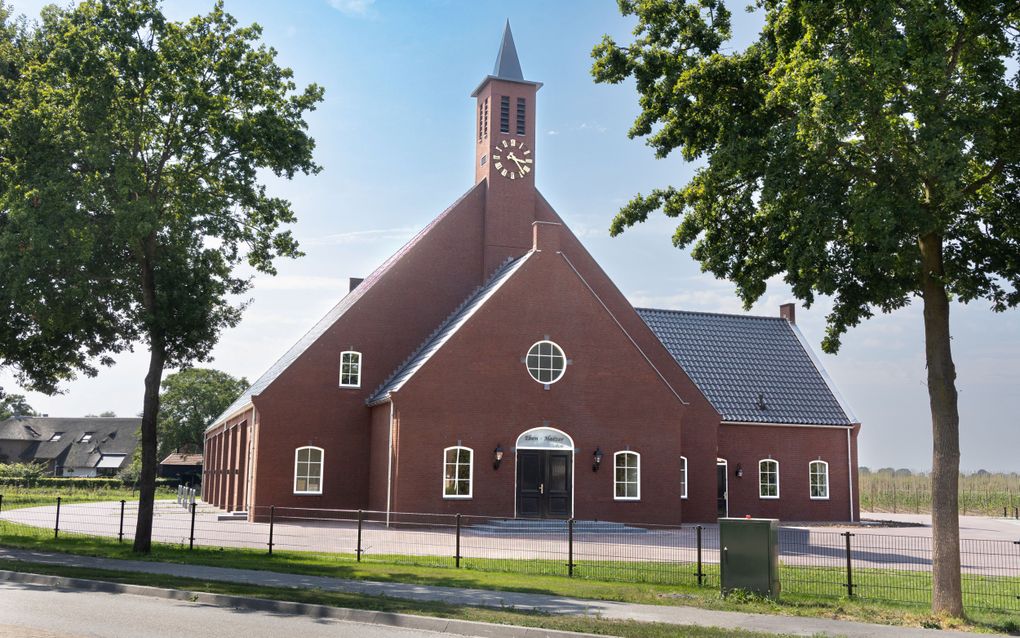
(388, 619)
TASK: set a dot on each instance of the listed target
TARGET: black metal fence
(857, 564)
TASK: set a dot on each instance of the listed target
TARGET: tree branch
(989, 176)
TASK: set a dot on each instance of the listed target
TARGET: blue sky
(395, 138)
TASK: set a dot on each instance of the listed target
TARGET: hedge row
(80, 483)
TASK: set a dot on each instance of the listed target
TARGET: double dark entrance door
(544, 483)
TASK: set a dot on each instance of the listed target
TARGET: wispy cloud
(553, 132)
(300, 282)
(352, 7)
(360, 236)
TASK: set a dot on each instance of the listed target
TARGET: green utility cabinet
(749, 555)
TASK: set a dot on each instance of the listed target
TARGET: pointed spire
(508, 66)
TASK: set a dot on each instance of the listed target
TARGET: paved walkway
(478, 597)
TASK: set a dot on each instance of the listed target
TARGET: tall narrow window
(350, 369)
(308, 470)
(683, 477)
(504, 114)
(485, 118)
(481, 109)
(768, 478)
(520, 116)
(818, 473)
(457, 470)
(628, 476)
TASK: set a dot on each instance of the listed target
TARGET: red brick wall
(794, 448)
(476, 391)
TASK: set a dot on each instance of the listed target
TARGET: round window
(546, 362)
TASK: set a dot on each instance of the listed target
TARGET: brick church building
(491, 367)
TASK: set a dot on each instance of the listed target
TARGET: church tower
(505, 155)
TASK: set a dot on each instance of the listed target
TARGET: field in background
(902, 491)
(18, 497)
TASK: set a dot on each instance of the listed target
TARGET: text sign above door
(544, 439)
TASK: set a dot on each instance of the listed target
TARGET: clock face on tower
(512, 160)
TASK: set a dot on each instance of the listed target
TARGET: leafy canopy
(190, 400)
(131, 160)
(15, 404)
(845, 133)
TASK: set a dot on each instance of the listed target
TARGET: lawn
(546, 577)
(17, 497)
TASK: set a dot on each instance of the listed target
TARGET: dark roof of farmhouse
(110, 436)
(751, 369)
(442, 334)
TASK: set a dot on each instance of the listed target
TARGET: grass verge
(626, 629)
(487, 575)
(18, 497)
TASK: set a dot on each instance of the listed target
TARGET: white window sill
(456, 498)
(769, 498)
(819, 498)
(307, 493)
(351, 387)
(626, 498)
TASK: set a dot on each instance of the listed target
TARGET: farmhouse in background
(185, 467)
(491, 367)
(70, 447)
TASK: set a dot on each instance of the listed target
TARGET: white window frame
(322, 469)
(616, 482)
(350, 385)
(760, 484)
(456, 464)
(811, 475)
(557, 348)
(683, 475)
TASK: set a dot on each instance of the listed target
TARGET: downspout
(389, 469)
(850, 473)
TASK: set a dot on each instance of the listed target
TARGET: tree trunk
(147, 480)
(946, 596)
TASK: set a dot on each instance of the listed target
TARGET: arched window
(308, 470)
(818, 474)
(350, 369)
(627, 478)
(683, 477)
(457, 472)
(546, 362)
(768, 478)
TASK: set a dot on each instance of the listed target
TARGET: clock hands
(520, 165)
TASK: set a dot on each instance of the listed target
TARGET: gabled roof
(751, 369)
(109, 436)
(445, 331)
(331, 317)
(180, 458)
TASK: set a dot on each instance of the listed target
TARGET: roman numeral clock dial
(512, 160)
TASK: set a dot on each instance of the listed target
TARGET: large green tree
(15, 405)
(190, 400)
(866, 151)
(132, 166)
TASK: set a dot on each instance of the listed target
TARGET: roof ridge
(711, 314)
(475, 295)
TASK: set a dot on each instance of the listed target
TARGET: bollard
(191, 539)
(849, 567)
(56, 524)
(701, 575)
(272, 521)
(570, 548)
(120, 532)
(361, 519)
(457, 554)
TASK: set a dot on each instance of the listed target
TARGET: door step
(531, 526)
(232, 516)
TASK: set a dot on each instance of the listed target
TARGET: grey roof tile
(734, 359)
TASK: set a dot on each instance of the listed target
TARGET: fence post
(457, 558)
(1, 502)
(849, 567)
(191, 539)
(56, 524)
(700, 574)
(570, 548)
(361, 520)
(120, 532)
(272, 522)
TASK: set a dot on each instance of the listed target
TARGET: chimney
(546, 236)
(355, 282)
(788, 311)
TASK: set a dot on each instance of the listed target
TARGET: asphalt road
(28, 611)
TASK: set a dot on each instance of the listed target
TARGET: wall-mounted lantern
(497, 456)
(740, 471)
(596, 459)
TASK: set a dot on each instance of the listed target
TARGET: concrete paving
(544, 603)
